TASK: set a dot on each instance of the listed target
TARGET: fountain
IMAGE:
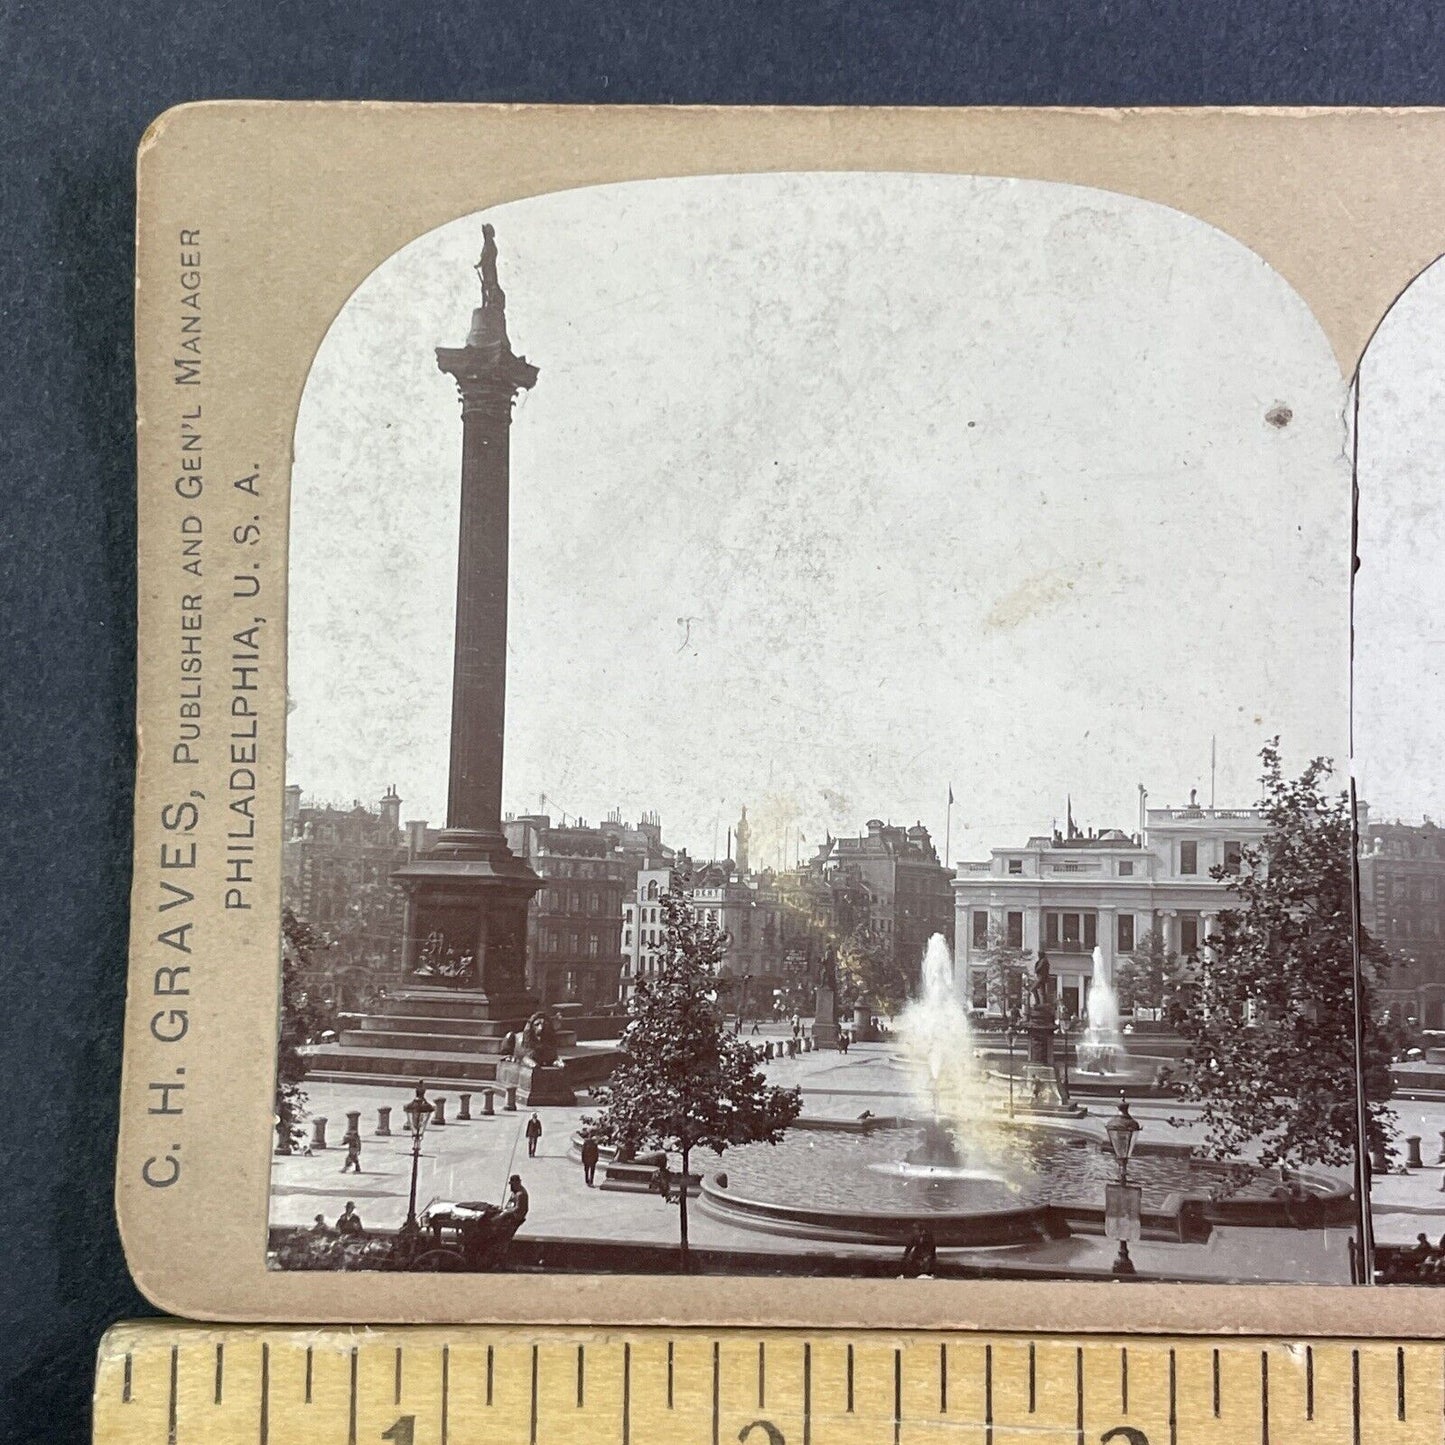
(963, 1171)
(1102, 1047)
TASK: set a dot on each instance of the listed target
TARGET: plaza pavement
(470, 1161)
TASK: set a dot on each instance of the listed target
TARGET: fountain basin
(857, 1187)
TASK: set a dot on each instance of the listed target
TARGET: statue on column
(486, 269)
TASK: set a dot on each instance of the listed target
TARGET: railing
(1076, 867)
(1167, 814)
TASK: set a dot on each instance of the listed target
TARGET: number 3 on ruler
(1124, 1434)
(404, 1431)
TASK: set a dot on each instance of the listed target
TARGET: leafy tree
(685, 1083)
(1007, 970)
(1151, 975)
(1271, 1017)
(302, 1018)
(869, 973)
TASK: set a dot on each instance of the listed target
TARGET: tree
(1271, 1017)
(685, 1083)
(1150, 976)
(1006, 973)
(302, 1018)
(870, 973)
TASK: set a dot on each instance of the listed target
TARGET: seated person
(921, 1253)
(514, 1211)
(348, 1222)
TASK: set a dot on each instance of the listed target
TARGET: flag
(950, 795)
(1068, 815)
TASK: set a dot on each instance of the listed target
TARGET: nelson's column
(467, 897)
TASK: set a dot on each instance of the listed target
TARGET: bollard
(283, 1137)
(318, 1134)
(512, 1098)
(438, 1112)
(1379, 1160)
(1441, 1159)
(353, 1123)
(1412, 1152)
(464, 1110)
(383, 1120)
(489, 1103)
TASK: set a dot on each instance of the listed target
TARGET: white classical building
(1067, 892)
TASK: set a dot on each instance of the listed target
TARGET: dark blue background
(80, 83)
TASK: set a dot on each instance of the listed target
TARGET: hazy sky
(1400, 591)
(833, 490)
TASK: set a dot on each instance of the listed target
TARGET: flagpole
(948, 829)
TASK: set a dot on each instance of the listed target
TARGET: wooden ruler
(165, 1383)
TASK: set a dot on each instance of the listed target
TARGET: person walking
(353, 1153)
(590, 1154)
(534, 1135)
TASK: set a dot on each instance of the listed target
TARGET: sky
(1399, 700)
(835, 491)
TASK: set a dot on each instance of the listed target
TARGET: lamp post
(1065, 1023)
(742, 1000)
(1122, 1129)
(418, 1113)
(1010, 1029)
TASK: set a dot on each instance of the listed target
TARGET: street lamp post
(1010, 1029)
(1122, 1129)
(1066, 1021)
(418, 1113)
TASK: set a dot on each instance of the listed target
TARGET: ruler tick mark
(490, 1362)
(1309, 1382)
(850, 1379)
(943, 1379)
(1124, 1378)
(1264, 1397)
(1355, 1394)
(351, 1418)
(1033, 1391)
(532, 1435)
(626, 1394)
(669, 1374)
(897, 1396)
(1216, 1384)
(446, 1384)
(308, 1374)
(1399, 1383)
(988, 1394)
(716, 1389)
(1173, 1400)
(265, 1429)
(1079, 1395)
(762, 1375)
(396, 1393)
(807, 1394)
(173, 1407)
(581, 1376)
(220, 1357)
(125, 1381)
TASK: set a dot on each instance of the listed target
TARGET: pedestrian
(662, 1180)
(797, 1026)
(534, 1135)
(320, 1225)
(756, 1028)
(348, 1221)
(353, 1153)
(921, 1254)
(590, 1153)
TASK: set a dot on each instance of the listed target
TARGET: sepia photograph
(820, 742)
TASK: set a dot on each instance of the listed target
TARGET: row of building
(595, 927)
